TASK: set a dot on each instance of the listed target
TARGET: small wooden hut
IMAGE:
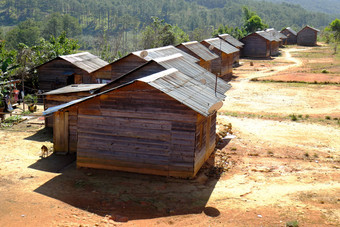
(162, 124)
(70, 69)
(222, 66)
(277, 35)
(200, 52)
(234, 42)
(307, 36)
(291, 36)
(65, 95)
(260, 44)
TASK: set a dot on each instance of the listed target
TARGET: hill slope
(324, 6)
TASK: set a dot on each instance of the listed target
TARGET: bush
(292, 224)
(324, 71)
(327, 117)
(293, 117)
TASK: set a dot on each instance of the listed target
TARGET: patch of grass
(10, 121)
(293, 117)
(27, 112)
(270, 153)
(233, 149)
(316, 155)
(294, 223)
(300, 115)
(306, 116)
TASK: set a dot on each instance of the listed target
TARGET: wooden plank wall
(307, 37)
(60, 132)
(205, 140)
(146, 70)
(125, 65)
(255, 46)
(137, 129)
(58, 99)
(291, 38)
(54, 74)
(274, 48)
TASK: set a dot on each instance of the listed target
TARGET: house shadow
(132, 196)
(54, 163)
(270, 58)
(45, 134)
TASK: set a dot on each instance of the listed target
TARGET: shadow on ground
(45, 134)
(134, 196)
(54, 163)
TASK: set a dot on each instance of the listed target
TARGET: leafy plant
(292, 224)
(31, 99)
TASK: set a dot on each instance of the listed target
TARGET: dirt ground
(277, 171)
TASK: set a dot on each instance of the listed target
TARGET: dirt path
(286, 57)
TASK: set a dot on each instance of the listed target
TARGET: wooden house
(291, 36)
(70, 69)
(162, 124)
(277, 35)
(260, 44)
(180, 63)
(307, 36)
(66, 94)
(137, 59)
(234, 42)
(200, 52)
(222, 66)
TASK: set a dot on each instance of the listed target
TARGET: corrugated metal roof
(268, 36)
(231, 40)
(163, 52)
(307, 26)
(74, 88)
(85, 61)
(275, 33)
(191, 93)
(200, 50)
(290, 30)
(222, 45)
(194, 71)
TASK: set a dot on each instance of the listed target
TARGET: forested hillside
(324, 6)
(116, 25)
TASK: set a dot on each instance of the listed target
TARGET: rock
(202, 178)
(121, 218)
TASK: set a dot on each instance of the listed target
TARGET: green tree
(159, 33)
(334, 36)
(253, 24)
(27, 32)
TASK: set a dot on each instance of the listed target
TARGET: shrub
(292, 224)
(324, 71)
(327, 117)
(293, 117)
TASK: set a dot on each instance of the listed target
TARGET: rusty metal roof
(151, 54)
(275, 33)
(85, 61)
(200, 50)
(184, 89)
(194, 71)
(231, 40)
(222, 45)
(75, 88)
(268, 36)
(290, 30)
